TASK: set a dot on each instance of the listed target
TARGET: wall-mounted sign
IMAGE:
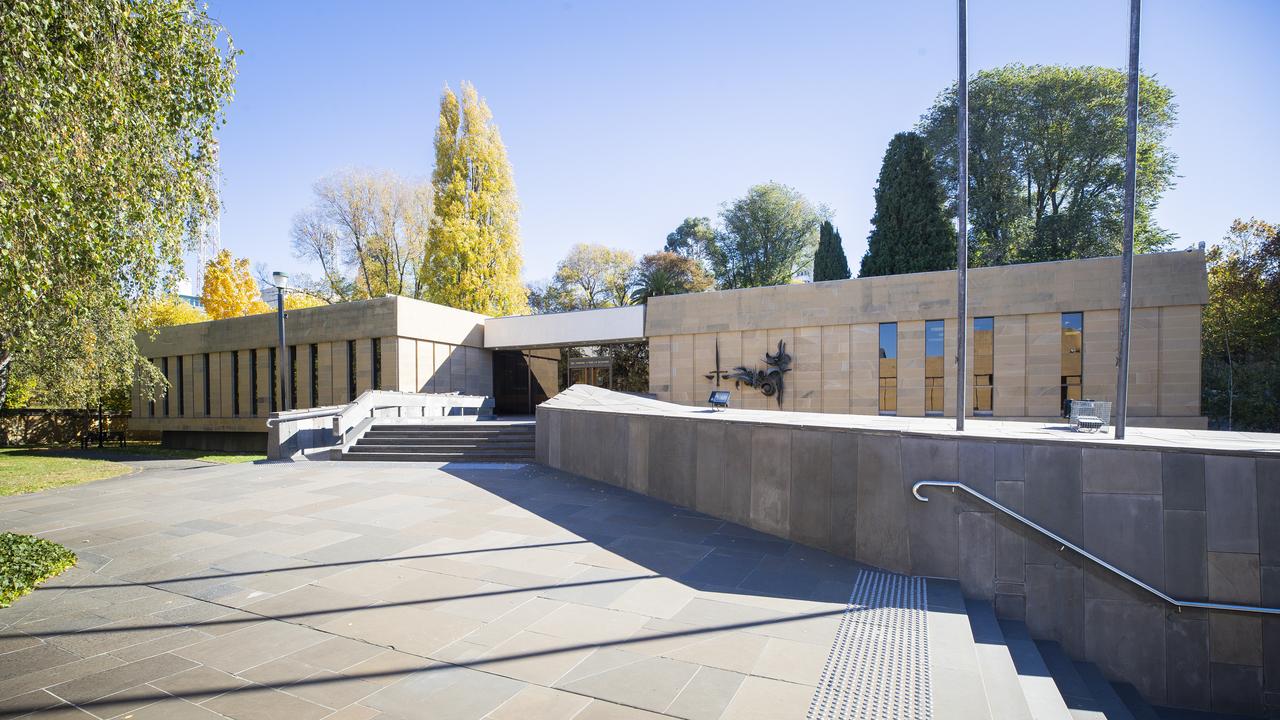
(577, 363)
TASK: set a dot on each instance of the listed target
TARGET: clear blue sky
(622, 118)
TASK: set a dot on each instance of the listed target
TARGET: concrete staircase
(446, 441)
(988, 668)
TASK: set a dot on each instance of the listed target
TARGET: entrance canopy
(581, 327)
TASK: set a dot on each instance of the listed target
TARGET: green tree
(594, 276)
(692, 238)
(1046, 161)
(1241, 329)
(767, 237)
(107, 162)
(473, 251)
(829, 262)
(910, 231)
(666, 273)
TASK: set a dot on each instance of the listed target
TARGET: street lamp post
(281, 282)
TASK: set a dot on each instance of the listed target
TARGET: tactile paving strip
(878, 667)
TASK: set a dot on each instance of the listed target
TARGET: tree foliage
(1046, 161)
(829, 262)
(368, 234)
(107, 154)
(473, 253)
(692, 238)
(767, 237)
(1241, 330)
(667, 273)
(165, 312)
(229, 288)
(910, 231)
(594, 276)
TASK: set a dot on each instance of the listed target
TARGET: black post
(1130, 189)
(283, 355)
(962, 211)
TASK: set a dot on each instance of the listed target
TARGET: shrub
(27, 561)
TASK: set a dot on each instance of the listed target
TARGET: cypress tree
(829, 262)
(911, 231)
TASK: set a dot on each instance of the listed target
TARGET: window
(888, 368)
(182, 388)
(235, 383)
(274, 373)
(351, 370)
(984, 346)
(151, 403)
(1072, 356)
(253, 381)
(314, 356)
(206, 385)
(377, 364)
(293, 377)
(164, 370)
(934, 380)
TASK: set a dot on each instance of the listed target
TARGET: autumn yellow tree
(473, 254)
(166, 311)
(229, 288)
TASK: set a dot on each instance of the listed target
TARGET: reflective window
(934, 382)
(207, 396)
(235, 383)
(293, 377)
(889, 368)
(1072, 356)
(274, 372)
(253, 382)
(984, 346)
(315, 375)
(351, 370)
(182, 389)
(377, 363)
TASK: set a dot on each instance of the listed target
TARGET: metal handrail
(1064, 543)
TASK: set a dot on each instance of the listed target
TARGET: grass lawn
(27, 561)
(153, 450)
(26, 470)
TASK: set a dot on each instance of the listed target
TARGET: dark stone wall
(1198, 525)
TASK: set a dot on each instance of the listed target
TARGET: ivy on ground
(26, 561)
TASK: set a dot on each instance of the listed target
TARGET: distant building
(1038, 334)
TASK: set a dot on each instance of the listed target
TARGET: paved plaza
(355, 591)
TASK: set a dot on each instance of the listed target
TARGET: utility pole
(962, 211)
(1130, 189)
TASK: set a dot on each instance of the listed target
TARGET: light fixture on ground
(280, 280)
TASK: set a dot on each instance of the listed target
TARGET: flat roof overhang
(602, 326)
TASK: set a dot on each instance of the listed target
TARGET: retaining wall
(1197, 523)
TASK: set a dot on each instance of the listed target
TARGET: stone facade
(1185, 511)
(418, 347)
(831, 330)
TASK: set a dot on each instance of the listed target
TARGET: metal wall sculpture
(767, 380)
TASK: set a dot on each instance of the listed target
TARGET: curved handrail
(1064, 543)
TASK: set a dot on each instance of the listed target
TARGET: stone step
(435, 458)
(1112, 706)
(1133, 700)
(1038, 688)
(521, 450)
(1074, 690)
(956, 679)
(999, 675)
(410, 430)
(448, 440)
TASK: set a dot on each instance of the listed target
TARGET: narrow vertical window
(151, 403)
(274, 372)
(235, 383)
(984, 353)
(164, 369)
(351, 370)
(253, 381)
(315, 375)
(934, 380)
(1072, 357)
(207, 396)
(889, 368)
(377, 363)
(293, 377)
(182, 389)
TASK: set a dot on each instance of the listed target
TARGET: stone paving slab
(335, 590)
